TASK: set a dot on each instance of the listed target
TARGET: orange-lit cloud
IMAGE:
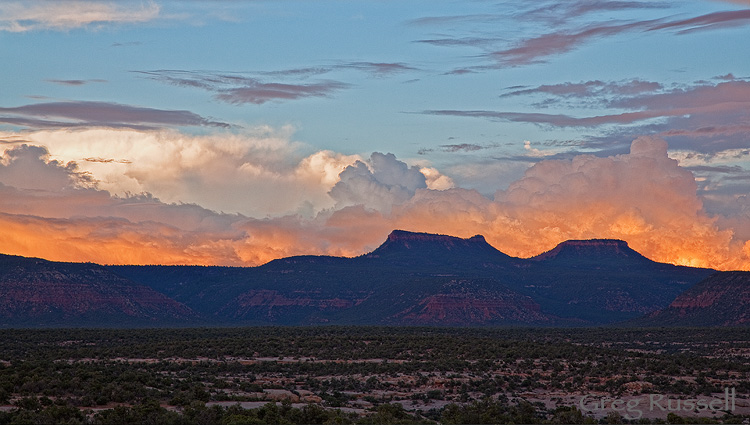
(643, 197)
(264, 171)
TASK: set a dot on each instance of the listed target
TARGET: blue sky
(256, 107)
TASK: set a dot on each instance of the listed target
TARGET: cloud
(251, 87)
(240, 89)
(265, 171)
(104, 114)
(534, 49)
(534, 152)
(29, 168)
(379, 69)
(454, 19)
(595, 90)
(436, 180)
(378, 184)
(75, 82)
(643, 196)
(259, 93)
(460, 42)
(567, 26)
(709, 21)
(690, 116)
(559, 12)
(467, 147)
(31, 15)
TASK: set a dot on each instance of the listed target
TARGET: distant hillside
(596, 253)
(427, 279)
(36, 292)
(411, 279)
(419, 249)
(723, 299)
(605, 281)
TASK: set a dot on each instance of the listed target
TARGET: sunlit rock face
(721, 300)
(36, 292)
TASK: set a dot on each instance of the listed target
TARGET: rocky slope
(721, 300)
(35, 292)
(426, 279)
(605, 281)
(411, 279)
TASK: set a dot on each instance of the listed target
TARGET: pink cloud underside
(730, 98)
(260, 93)
(534, 49)
(241, 88)
(709, 21)
(99, 114)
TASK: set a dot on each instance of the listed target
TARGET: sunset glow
(235, 133)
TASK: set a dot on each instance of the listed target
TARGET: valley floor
(375, 375)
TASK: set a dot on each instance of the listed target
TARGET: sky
(231, 132)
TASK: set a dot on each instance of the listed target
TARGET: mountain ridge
(722, 299)
(417, 278)
(38, 292)
(602, 250)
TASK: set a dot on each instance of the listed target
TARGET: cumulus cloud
(535, 152)
(379, 184)
(29, 15)
(436, 180)
(28, 168)
(266, 172)
(643, 196)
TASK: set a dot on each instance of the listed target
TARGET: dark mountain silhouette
(418, 279)
(605, 281)
(595, 252)
(36, 292)
(723, 299)
(410, 248)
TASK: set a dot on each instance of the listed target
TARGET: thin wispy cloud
(455, 19)
(240, 89)
(104, 114)
(709, 21)
(259, 93)
(596, 89)
(536, 49)
(379, 69)
(560, 12)
(462, 147)
(649, 98)
(75, 82)
(572, 26)
(292, 84)
(31, 15)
